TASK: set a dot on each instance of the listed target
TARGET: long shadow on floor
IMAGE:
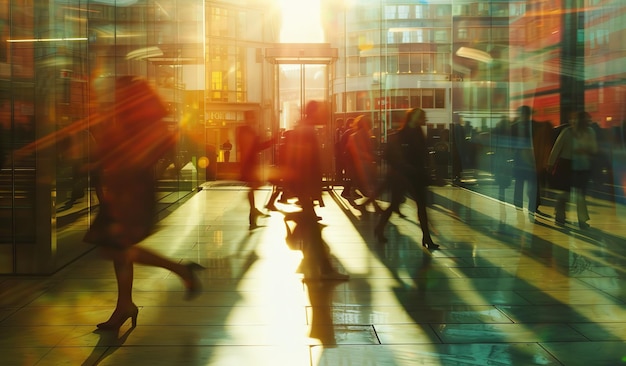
(529, 245)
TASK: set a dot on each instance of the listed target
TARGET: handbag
(560, 177)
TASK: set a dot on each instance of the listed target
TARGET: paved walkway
(506, 289)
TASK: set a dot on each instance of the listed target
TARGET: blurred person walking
(250, 144)
(303, 177)
(360, 152)
(575, 147)
(409, 170)
(503, 161)
(339, 151)
(349, 178)
(531, 144)
(275, 177)
(130, 140)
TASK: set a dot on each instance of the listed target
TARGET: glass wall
(51, 56)
(238, 80)
(471, 64)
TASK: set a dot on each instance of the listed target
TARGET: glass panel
(416, 98)
(403, 63)
(469, 64)
(392, 63)
(351, 102)
(49, 74)
(440, 98)
(482, 60)
(416, 62)
(428, 98)
(353, 66)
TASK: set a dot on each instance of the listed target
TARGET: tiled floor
(505, 289)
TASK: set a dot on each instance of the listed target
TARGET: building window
(403, 63)
(442, 36)
(403, 12)
(427, 62)
(416, 98)
(368, 65)
(461, 33)
(353, 66)
(442, 62)
(216, 80)
(419, 11)
(392, 64)
(420, 36)
(350, 101)
(363, 65)
(443, 10)
(428, 98)
(390, 12)
(222, 23)
(227, 75)
(440, 98)
(416, 62)
(460, 10)
(362, 101)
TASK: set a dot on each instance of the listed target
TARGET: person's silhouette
(130, 140)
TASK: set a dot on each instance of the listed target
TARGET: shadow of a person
(304, 233)
(320, 298)
(110, 341)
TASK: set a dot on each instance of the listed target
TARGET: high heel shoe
(193, 284)
(118, 318)
(428, 244)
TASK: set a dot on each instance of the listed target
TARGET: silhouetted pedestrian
(409, 169)
(250, 144)
(130, 141)
(303, 177)
(576, 144)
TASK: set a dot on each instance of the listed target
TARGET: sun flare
(301, 21)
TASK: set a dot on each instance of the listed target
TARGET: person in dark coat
(409, 167)
(531, 144)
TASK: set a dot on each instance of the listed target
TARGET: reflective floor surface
(506, 288)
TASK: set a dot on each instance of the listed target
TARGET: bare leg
(124, 276)
(254, 212)
(124, 308)
(146, 257)
(251, 200)
(123, 261)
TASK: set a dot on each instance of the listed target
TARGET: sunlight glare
(301, 21)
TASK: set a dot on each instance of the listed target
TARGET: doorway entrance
(303, 73)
